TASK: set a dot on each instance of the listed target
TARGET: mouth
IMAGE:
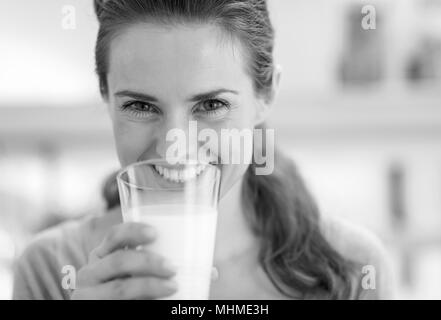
(180, 174)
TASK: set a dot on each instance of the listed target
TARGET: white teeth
(180, 175)
(174, 175)
(190, 173)
(159, 169)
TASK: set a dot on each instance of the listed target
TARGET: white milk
(186, 236)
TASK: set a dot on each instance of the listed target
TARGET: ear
(265, 103)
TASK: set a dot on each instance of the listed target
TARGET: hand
(116, 270)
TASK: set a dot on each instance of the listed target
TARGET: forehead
(175, 59)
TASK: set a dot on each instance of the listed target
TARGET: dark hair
(293, 252)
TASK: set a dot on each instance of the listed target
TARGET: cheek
(244, 122)
(234, 148)
(131, 140)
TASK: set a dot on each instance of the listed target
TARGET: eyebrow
(196, 97)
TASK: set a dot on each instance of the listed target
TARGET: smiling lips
(181, 175)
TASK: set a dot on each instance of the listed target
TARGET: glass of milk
(180, 201)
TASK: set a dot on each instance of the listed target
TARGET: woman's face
(161, 78)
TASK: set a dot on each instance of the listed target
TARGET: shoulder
(64, 238)
(73, 236)
(366, 251)
(39, 269)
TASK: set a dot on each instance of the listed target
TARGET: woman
(160, 65)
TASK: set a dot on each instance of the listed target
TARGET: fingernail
(169, 266)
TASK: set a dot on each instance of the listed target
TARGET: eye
(212, 107)
(139, 109)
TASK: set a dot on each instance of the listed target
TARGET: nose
(174, 139)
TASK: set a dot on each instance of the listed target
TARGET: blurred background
(359, 111)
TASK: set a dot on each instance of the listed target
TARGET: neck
(233, 236)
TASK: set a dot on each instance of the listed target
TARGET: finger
(128, 234)
(123, 263)
(129, 289)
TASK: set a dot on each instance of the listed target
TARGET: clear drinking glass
(180, 201)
